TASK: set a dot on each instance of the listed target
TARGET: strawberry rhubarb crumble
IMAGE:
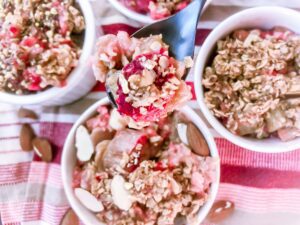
(37, 50)
(249, 82)
(146, 82)
(147, 176)
(158, 9)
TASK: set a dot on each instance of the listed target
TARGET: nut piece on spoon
(197, 141)
(43, 149)
(26, 137)
(84, 144)
(182, 132)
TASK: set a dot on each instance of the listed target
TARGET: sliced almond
(43, 149)
(120, 195)
(196, 140)
(70, 218)
(220, 211)
(26, 137)
(99, 135)
(116, 121)
(100, 152)
(88, 200)
(182, 132)
(84, 144)
(27, 113)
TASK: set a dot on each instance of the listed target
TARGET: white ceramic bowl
(143, 18)
(69, 161)
(79, 82)
(259, 17)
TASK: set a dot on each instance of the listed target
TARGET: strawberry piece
(29, 41)
(34, 80)
(15, 31)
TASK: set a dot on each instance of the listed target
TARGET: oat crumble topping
(160, 178)
(248, 78)
(37, 50)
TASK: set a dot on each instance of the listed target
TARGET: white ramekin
(259, 17)
(142, 18)
(69, 161)
(80, 81)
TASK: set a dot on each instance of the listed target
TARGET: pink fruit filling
(146, 81)
(160, 178)
(135, 68)
(158, 9)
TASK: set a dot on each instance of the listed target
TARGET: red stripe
(259, 177)
(114, 28)
(99, 87)
(191, 84)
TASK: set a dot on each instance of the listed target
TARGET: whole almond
(43, 149)
(99, 135)
(220, 211)
(27, 113)
(26, 137)
(197, 141)
(70, 218)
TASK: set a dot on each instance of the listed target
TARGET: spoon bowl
(178, 31)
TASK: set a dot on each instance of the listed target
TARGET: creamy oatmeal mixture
(36, 48)
(146, 176)
(146, 82)
(157, 9)
(249, 79)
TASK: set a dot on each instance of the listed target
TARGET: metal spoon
(178, 31)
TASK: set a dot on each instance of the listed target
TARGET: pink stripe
(259, 200)
(14, 124)
(259, 177)
(33, 172)
(9, 138)
(114, 28)
(231, 154)
(49, 174)
(14, 173)
(8, 111)
(32, 211)
(11, 151)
